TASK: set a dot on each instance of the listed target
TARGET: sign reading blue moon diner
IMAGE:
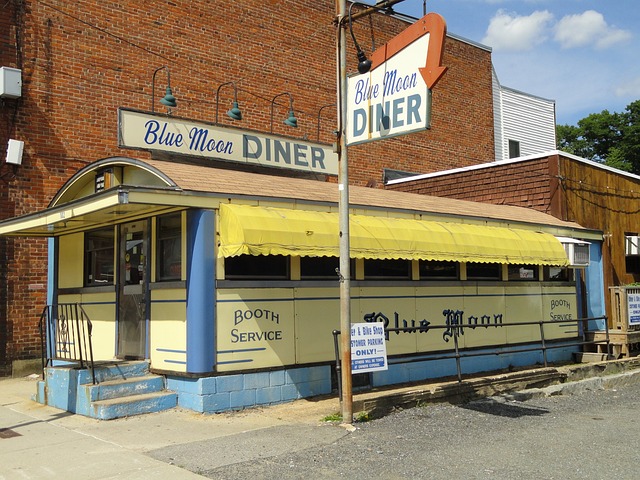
(394, 97)
(147, 131)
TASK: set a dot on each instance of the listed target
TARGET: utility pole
(346, 402)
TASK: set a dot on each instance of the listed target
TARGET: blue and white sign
(394, 97)
(368, 347)
(148, 131)
(633, 308)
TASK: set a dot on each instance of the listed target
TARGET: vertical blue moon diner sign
(394, 97)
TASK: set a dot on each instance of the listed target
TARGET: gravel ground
(592, 435)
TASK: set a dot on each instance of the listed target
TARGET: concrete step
(133, 405)
(125, 387)
(117, 370)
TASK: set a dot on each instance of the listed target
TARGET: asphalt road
(592, 435)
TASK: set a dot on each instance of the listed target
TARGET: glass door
(133, 289)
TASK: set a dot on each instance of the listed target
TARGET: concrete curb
(580, 386)
(521, 385)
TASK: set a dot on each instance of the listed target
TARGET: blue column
(595, 284)
(201, 276)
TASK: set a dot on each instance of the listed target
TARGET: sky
(583, 54)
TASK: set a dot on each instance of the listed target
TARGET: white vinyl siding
(523, 118)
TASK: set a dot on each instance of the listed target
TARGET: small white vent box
(10, 82)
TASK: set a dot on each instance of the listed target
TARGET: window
(383, 269)
(99, 257)
(256, 267)
(431, 269)
(322, 268)
(632, 263)
(484, 271)
(169, 247)
(523, 272)
(514, 149)
(557, 274)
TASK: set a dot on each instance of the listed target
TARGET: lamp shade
(235, 113)
(291, 121)
(169, 100)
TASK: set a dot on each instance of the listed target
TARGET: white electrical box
(14, 152)
(10, 82)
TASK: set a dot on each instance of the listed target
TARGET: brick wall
(82, 60)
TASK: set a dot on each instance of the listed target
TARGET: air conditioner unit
(577, 251)
(632, 245)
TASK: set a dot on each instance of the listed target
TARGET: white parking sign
(368, 347)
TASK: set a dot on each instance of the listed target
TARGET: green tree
(609, 138)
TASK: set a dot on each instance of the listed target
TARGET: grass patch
(334, 417)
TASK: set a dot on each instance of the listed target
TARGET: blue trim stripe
(184, 300)
(251, 300)
(235, 361)
(397, 297)
(168, 350)
(175, 361)
(98, 303)
(243, 350)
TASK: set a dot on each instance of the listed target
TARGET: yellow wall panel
(255, 328)
(101, 310)
(70, 260)
(559, 304)
(482, 312)
(317, 313)
(168, 330)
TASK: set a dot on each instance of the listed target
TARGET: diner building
(171, 177)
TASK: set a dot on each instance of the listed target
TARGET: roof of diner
(154, 187)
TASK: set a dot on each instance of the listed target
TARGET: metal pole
(343, 213)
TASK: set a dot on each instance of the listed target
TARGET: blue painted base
(236, 392)
(129, 389)
(430, 369)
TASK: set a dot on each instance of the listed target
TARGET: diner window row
(279, 267)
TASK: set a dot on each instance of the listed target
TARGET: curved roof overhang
(77, 207)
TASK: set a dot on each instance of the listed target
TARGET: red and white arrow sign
(432, 24)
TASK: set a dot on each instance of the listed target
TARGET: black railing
(455, 330)
(65, 335)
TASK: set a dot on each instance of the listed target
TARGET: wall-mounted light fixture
(291, 120)
(234, 113)
(364, 64)
(168, 100)
(320, 113)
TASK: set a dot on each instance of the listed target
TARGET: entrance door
(133, 290)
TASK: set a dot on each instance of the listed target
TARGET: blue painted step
(132, 405)
(124, 387)
(116, 370)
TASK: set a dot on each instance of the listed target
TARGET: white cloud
(510, 32)
(588, 28)
(630, 88)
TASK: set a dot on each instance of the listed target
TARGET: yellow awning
(253, 230)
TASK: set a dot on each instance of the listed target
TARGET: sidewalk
(37, 441)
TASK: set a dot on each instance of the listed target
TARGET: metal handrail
(455, 330)
(65, 335)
